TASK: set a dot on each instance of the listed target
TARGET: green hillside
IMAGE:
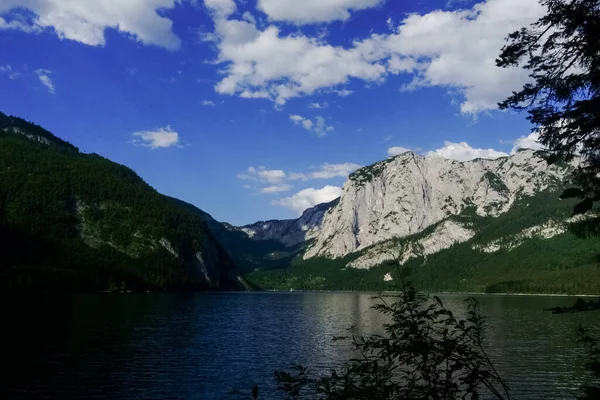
(74, 221)
(247, 254)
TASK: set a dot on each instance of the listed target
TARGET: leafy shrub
(425, 352)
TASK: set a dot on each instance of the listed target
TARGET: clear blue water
(201, 346)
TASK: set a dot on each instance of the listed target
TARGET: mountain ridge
(76, 221)
(454, 224)
(408, 193)
(289, 232)
(493, 198)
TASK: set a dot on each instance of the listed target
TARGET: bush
(425, 352)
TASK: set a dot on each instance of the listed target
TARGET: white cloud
(272, 176)
(86, 21)
(276, 189)
(261, 174)
(296, 176)
(249, 17)
(222, 8)
(527, 142)
(311, 11)
(208, 103)
(300, 120)
(321, 128)
(318, 105)
(394, 151)
(44, 77)
(390, 23)
(8, 71)
(276, 181)
(464, 152)
(327, 171)
(451, 49)
(344, 92)
(457, 49)
(319, 125)
(397, 64)
(266, 64)
(18, 23)
(309, 198)
(159, 138)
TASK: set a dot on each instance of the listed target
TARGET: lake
(200, 346)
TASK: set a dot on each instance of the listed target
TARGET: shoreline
(372, 292)
(523, 294)
(433, 293)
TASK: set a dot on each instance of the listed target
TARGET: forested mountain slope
(248, 254)
(74, 221)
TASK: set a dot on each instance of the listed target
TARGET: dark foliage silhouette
(425, 352)
(72, 221)
(562, 52)
(580, 305)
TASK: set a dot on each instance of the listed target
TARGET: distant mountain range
(481, 225)
(79, 222)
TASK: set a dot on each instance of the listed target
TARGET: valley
(75, 221)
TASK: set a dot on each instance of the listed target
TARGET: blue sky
(257, 109)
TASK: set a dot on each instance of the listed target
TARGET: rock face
(445, 235)
(406, 194)
(410, 205)
(290, 232)
(35, 138)
(547, 230)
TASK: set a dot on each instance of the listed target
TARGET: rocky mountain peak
(290, 232)
(405, 194)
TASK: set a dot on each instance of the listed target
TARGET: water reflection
(201, 346)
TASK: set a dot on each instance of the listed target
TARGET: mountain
(406, 194)
(481, 225)
(290, 232)
(268, 244)
(79, 222)
(247, 254)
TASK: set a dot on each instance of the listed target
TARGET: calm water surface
(159, 346)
